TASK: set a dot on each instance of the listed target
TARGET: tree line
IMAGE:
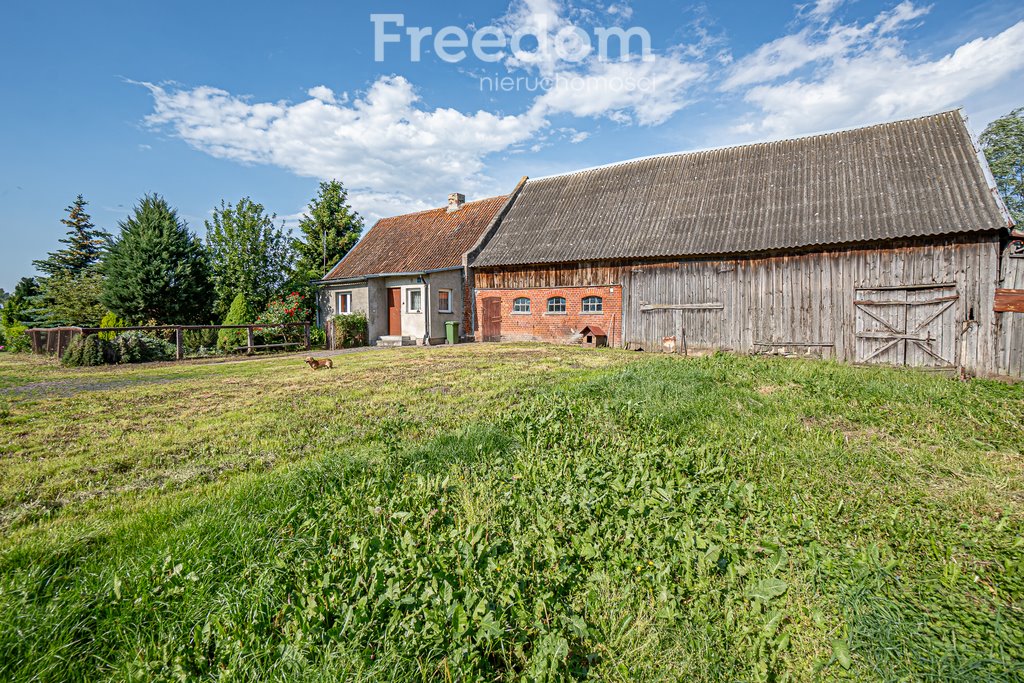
(155, 270)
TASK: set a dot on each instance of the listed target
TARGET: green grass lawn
(509, 512)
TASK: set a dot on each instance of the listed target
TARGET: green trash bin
(451, 329)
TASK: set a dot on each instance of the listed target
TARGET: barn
(885, 244)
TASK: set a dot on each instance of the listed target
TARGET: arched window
(521, 305)
(593, 304)
(556, 304)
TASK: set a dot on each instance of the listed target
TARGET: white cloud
(823, 9)
(645, 92)
(390, 149)
(876, 79)
(785, 55)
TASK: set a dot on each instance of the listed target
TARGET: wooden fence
(55, 340)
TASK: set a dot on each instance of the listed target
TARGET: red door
(491, 319)
(395, 311)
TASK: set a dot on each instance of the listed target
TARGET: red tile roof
(418, 242)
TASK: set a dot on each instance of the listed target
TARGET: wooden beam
(1009, 301)
(709, 306)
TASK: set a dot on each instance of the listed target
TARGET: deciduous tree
(249, 255)
(1003, 142)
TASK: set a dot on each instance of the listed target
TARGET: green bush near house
(16, 339)
(137, 347)
(110, 320)
(88, 351)
(350, 330)
(240, 313)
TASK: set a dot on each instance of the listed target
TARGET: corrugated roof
(418, 242)
(895, 180)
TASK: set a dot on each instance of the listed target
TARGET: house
(883, 244)
(407, 273)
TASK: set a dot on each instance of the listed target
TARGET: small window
(444, 301)
(521, 305)
(556, 304)
(344, 303)
(414, 301)
(593, 304)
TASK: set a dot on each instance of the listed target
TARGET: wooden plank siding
(1010, 325)
(800, 301)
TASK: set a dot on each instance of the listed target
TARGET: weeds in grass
(660, 520)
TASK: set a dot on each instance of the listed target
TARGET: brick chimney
(455, 201)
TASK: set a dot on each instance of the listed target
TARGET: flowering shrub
(289, 309)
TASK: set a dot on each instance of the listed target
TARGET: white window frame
(448, 308)
(565, 306)
(529, 306)
(597, 311)
(409, 297)
(337, 303)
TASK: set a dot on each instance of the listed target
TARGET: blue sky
(205, 101)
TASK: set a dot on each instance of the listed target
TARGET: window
(444, 301)
(556, 304)
(521, 305)
(593, 304)
(414, 301)
(344, 303)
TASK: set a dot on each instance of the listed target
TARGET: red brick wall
(539, 325)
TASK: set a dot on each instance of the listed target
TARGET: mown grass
(513, 513)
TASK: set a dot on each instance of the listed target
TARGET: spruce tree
(156, 269)
(327, 232)
(85, 244)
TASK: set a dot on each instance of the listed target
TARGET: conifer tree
(156, 269)
(327, 232)
(85, 244)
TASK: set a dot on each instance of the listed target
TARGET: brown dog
(317, 363)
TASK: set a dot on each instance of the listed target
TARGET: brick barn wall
(538, 325)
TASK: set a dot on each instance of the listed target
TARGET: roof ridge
(439, 208)
(722, 148)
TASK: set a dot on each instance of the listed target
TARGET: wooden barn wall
(804, 301)
(1010, 345)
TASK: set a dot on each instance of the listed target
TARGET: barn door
(913, 326)
(491, 319)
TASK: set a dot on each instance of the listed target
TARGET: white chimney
(455, 201)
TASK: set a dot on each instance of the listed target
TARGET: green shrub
(200, 342)
(3, 340)
(317, 337)
(16, 341)
(288, 309)
(137, 347)
(351, 329)
(110, 320)
(240, 313)
(88, 351)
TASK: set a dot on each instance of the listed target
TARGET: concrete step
(393, 340)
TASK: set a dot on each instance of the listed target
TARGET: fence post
(179, 344)
(251, 340)
(305, 329)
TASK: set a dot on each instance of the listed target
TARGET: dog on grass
(317, 363)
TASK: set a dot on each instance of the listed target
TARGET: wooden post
(305, 329)
(179, 344)
(251, 340)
